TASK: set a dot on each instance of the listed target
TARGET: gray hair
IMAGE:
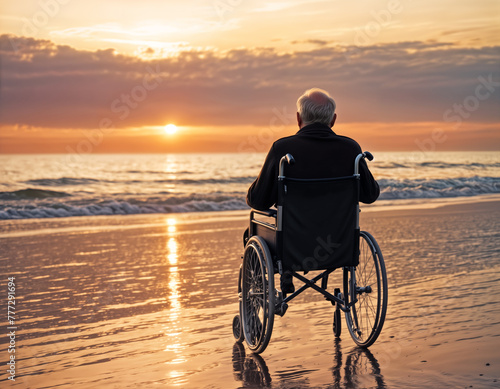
(316, 106)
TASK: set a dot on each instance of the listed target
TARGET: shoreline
(45, 226)
(381, 206)
(427, 204)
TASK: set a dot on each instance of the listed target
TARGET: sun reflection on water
(173, 329)
(172, 253)
(171, 169)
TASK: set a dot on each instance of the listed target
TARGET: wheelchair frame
(259, 301)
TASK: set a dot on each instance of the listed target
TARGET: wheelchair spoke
(369, 310)
(367, 288)
(257, 304)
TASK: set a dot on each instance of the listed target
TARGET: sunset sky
(108, 76)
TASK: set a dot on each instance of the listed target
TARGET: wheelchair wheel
(366, 293)
(258, 295)
(237, 330)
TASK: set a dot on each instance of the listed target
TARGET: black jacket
(318, 153)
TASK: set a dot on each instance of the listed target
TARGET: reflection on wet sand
(251, 370)
(172, 328)
(360, 369)
(357, 369)
(152, 304)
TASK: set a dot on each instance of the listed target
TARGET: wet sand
(147, 301)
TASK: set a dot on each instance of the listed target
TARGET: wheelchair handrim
(255, 297)
(356, 314)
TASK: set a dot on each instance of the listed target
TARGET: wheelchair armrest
(262, 227)
(269, 212)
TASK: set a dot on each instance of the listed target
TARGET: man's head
(316, 106)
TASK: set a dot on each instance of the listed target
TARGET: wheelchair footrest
(280, 309)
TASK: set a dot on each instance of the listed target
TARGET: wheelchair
(315, 227)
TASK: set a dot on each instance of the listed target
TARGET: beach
(148, 300)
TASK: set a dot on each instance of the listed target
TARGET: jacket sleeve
(369, 189)
(263, 193)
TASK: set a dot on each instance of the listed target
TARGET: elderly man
(319, 153)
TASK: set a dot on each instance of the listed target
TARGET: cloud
(319, 42)
(48, 85)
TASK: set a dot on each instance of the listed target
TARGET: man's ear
(333, 120)
(299, 120)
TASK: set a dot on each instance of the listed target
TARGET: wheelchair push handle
(288, 158)
(367, 155)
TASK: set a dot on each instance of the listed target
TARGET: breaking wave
(31, 193)
(41, 203)
(118, 208)
(438, 188)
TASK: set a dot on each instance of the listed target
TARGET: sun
(170, 129)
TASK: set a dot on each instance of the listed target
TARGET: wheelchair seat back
(318, 226)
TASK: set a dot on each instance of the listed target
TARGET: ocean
(63, 185)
